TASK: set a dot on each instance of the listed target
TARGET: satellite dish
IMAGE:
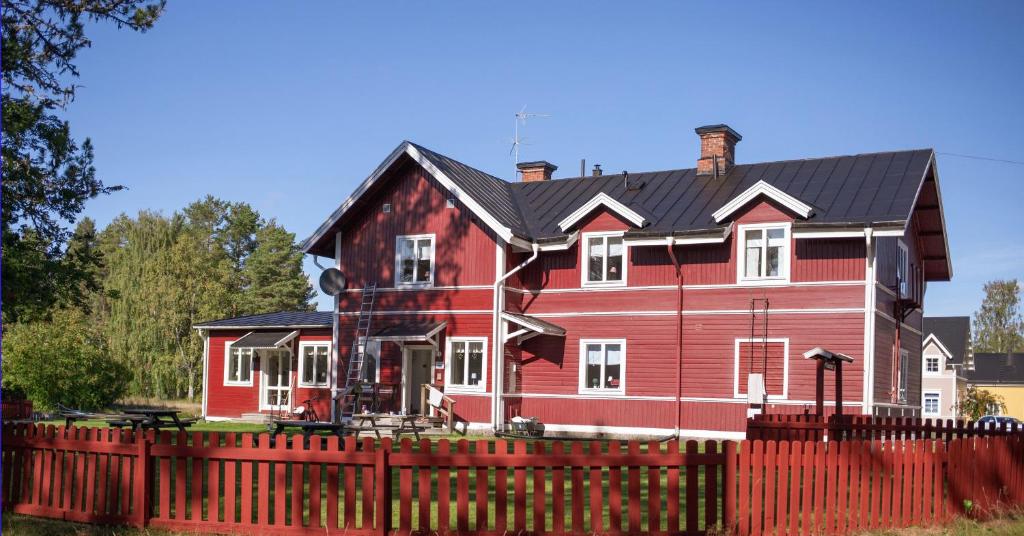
(332, 281)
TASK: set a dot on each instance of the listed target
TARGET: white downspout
(205, 334)
(497, 333)
(869, 324)
(335, 333)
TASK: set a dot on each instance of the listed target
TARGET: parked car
(996, 421)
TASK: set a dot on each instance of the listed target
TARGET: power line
(1019, 163)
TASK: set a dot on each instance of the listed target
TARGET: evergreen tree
(998, 325)
(273, 273)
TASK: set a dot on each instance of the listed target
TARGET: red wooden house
(635, 302)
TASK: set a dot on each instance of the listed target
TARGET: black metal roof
(997, 368)
(953, 332)
(280, 319)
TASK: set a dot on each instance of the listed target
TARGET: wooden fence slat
(795, 459)
(842, 490)
(333, 445)
(214, 485)
(807, 485)
(282, 470)
(614, 490)
(482, 487)
(423, 491)
(350, 488)
(500, 490)
(404, 489)
(596, 496)
(539, 474)
(462, 490)
(632, 493)
(864, 502)
(672, 489)
(757, 488)
(196, 491)
(576, 477)
(230, 483)
(653, 492)
(692, 488)
(262, 476)
(367, 489)
(247, 482)
(745, 492)
(519, 485)
(444, 490)
(770, 500)
(180, 481)
(558, 491)
(710, 488)
(297, 472)
(165, 482)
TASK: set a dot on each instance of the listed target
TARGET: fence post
(729, 486)
(141, 486)
(382, 476)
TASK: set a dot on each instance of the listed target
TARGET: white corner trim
(601, 199)
(763, 188)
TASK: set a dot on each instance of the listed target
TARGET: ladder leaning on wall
(357, 357)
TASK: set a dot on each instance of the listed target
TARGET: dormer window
(604, 259)
(414, 260)
(763, 253)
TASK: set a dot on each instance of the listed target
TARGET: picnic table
(369, 422)
(308, 427)
(155, 419)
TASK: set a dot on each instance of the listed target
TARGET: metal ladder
(356, 362)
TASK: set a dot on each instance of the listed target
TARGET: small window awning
(265, 340)
(530, 327)
(409, 332)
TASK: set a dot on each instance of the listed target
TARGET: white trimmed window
(314, 359)
(931, 364)
(414, 260)
(604, 259)
(237, 366)
(931, 403)
(466, 369)
(903, 268)
(603, 366)
(764, 252)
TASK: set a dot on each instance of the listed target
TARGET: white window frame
(302, 364)
(736, 368)
(583, 389)
(584, 242)
(924, 365)
(938, 405)
(784, 259)
(481, 386)
(228, 382)
(398, 260)
(903, 268)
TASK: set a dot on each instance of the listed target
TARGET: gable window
(238, 366)
(602, 366)
(930, 405)
(769, 358)
(466, 366)
(313, 363)
(903, 268)
(604, 259)
(764, 252)
(931, 364)
(414, 260)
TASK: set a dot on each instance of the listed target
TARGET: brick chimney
(717, 145)
(536, 171)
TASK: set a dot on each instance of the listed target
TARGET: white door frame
(407, 350)
(264, 382)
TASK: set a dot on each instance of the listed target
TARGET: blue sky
(289, 106)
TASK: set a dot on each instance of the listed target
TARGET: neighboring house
(945, 352)
(1001, 374)
(639, 302)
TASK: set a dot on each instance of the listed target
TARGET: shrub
(61, 361)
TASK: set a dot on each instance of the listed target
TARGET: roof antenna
(521, 117)
(583, 167)
(625, 180)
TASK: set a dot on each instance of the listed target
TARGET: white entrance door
(277, 374)
(416, 371)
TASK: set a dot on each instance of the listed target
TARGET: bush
(61, 362)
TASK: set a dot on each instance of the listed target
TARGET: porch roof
(534, 324)
(263, 340)
(409, 332)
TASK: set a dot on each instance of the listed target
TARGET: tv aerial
(521, 117)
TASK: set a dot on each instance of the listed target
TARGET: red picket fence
(848, 486)
(797, 427)
(242, 483)
(16, 409)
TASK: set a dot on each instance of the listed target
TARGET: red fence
(796, 427)
(241, 483)
(16, 409)
(842, 487)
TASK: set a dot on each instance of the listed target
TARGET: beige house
(945, 350)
